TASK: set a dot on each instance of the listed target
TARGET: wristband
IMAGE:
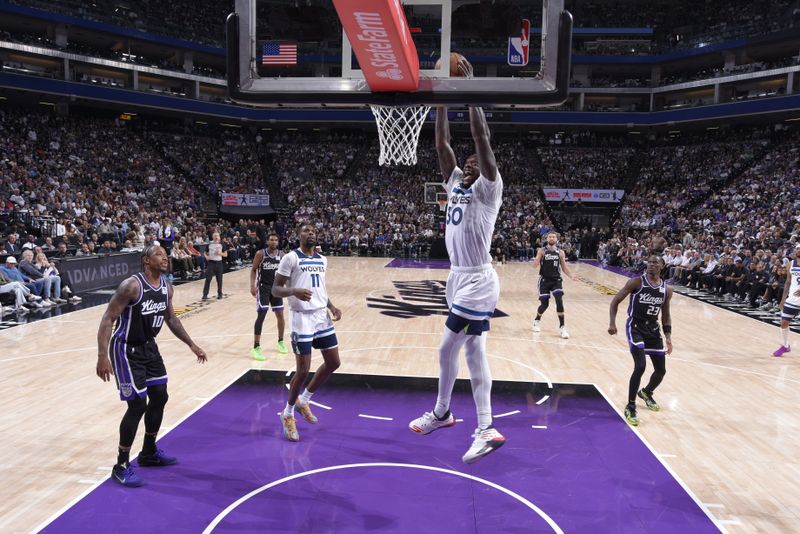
(668, 329)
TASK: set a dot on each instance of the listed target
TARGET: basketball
(454, 59)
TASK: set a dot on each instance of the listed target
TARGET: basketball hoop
(398, 132)
(442, 204)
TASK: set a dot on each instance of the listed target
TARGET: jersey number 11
(314, 280)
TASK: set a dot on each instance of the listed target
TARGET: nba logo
(518, 46)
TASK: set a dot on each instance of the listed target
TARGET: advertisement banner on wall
(608, 196)
(95, 272)
(240, 199)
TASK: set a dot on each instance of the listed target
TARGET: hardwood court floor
(728, 427)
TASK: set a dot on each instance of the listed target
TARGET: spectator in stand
(52, 284)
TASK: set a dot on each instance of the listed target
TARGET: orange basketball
(454, 59)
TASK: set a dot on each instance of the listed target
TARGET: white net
(398, 132)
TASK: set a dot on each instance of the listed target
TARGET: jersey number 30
(454, 215)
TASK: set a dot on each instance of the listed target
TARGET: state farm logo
(392, 74)
(372, 31)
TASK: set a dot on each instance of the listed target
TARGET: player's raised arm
(483, 147)
(633, 285)
(447, 158)
(127, 292)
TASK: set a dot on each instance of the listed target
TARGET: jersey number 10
(315, 280)
(158, 320)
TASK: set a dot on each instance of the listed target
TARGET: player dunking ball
(301, 278)
(649, 297)
(262, 276)
(474, 198)
(141, 305)
(552, 262)
(790, 305)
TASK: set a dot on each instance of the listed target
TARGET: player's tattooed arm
(256, 263)
(280, 290)
(481, 136)
(127, 292)
(563, 261)
(538, 260)
(175, 326)
(633, 285)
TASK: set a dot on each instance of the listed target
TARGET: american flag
(275, 53)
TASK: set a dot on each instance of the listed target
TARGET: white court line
(543, 399)
(365, 416)
(667, 455)
(543, 427)
(203, 399)
(459, 420)
(506, 414)
(734, 521)
(714, 505)
(315, 403)
(216, 521)
(675, 476)
(91, 481)
(164, 431)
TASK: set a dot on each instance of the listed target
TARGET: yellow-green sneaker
(649, 400)
(630, 415)
(257, 354)
(282, 347)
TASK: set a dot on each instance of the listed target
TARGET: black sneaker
(219, 297)
(205, 297)
(630, 415)
(126, 476)
(648, 399)
(157, 459)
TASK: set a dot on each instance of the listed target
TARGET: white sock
(305, 397)
(289, 410)
(785, 337)
(448, 368)
(481, 378)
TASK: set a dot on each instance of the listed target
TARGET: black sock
(560, 320)
(538, 316)
(123, 456)
(149, 446)
(256, 345)
(280, 339)
(442, 418)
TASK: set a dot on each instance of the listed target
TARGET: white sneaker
(34, 298)
(429, 422)
(75, 298)
(483, 442)
(564, 333)
(21, 310)
(36, 304)
(49, 303)
(537, 326)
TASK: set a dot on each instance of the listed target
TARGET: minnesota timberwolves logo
(420, 298)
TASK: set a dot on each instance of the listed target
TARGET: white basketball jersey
(794, 273)
(471, 214)
(307, 272)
